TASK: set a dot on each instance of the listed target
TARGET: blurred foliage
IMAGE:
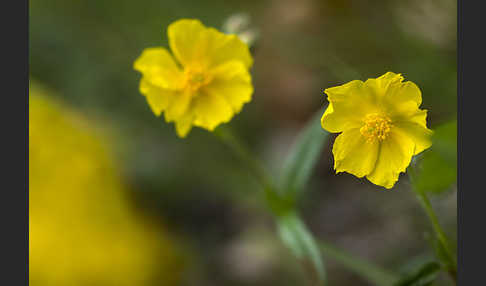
(296, 236)
(438, 170)
(83, 229)
(85, 50)
(302, 158)
(296, 172)
(240, 24)
(425, 275)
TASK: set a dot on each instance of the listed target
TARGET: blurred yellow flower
(83, 229)
(382, 127)
(206, 81)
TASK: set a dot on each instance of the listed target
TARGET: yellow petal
(402, 101)
(379, 86)
(184, 38)
(178, 106)
(419, 116)
(421, 135)
(391, 76)
(210, 110)
(408, 118)
(184, 124)
(407, 111)
(329, 126)
(394, 156)
(159, 68)
(403, 92)
(349, 104)
(232, 81)
(353, 154)
(193, 43)
(223, 48)
(157, 98)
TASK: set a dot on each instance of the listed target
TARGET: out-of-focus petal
(191, 42)
(178, 106)
(232, 81)
(159, 68)
(210, 110)
(157, 98)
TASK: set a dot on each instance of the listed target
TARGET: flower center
(195, 78)
(376, 127)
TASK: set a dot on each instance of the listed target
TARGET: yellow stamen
(376, 127)
(195, 78)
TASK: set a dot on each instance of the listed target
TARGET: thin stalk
(242, 152)
(368, 271)
(275, 202)
(372, 273)
(424, 201)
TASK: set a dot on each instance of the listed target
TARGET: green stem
(242, 152)
(279, 205)
(372, 273)
(424, 201)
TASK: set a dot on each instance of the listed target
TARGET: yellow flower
(382, 127)
(83, 226)
(206, 81)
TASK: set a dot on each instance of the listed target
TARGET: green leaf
(438, 170)
(367, 270)
(299, 240)
(302, 158)
(425, 275)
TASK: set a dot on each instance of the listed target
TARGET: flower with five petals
(204, 83)
(381, 127)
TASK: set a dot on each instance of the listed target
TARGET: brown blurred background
(194, 193)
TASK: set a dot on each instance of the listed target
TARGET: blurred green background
(194, 190)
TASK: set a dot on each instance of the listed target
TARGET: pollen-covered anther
(376, 127)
